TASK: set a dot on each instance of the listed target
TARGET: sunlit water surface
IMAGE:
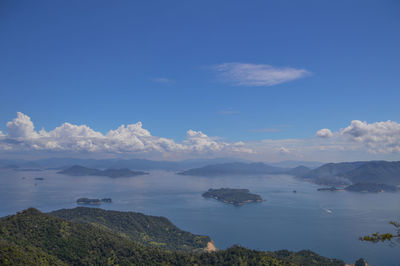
(328, 223)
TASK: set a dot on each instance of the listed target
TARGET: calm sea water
(325, 222)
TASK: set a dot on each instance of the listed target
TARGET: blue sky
(202, 65)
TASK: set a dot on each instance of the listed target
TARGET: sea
(329, 223)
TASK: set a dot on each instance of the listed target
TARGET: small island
(329, 189)
(78, 170)
(87, 201)
(237, 197)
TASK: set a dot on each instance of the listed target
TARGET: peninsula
(371, 188)
(363, 187)
(237, 197)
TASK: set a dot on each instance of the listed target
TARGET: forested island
(87, 201)
(233, 196)
(92, 236)
(78, 170)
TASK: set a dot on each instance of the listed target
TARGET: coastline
(210, 247)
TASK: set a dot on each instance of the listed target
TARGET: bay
(328, 223)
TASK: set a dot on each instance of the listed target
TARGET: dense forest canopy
(31, 238)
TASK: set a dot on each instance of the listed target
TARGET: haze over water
(328, 223)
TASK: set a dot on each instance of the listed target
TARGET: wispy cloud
(266, 130)
(163, 80)
(243, 74)
(271, 129)
(229, 111)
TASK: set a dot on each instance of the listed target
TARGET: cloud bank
(378, 137)
(22, 136)
(242, 74)
(358, 141)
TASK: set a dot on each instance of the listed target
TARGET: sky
(261, 80)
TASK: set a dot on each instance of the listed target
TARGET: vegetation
(34, 238)
(232, 196)
(145, 229)
(89, 201)
(386, 237)
(78, 170)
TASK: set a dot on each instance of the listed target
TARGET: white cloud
(198, 141)
(284, 150)
(378, 137)
(133, 138)
(242, 74)
(21, 127)
(358, 141)
(375, 138)
(324, 133)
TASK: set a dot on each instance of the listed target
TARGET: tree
(377, 237)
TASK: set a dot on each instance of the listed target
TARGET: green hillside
(34, 238)
(145, 229)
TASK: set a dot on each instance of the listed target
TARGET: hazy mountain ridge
(136, 164)
(78, 170)
(238, 168)
(345, 173)
(293, 164)
(376, 172)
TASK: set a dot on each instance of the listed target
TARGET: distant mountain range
(292, 164)
(136, 164)
(238, 168)
(376, 172)
(345, 173)
(78, 170)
